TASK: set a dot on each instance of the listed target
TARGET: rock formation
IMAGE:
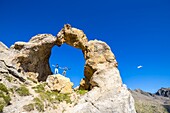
(107, 93)
(59, 83)
(32, 56)
(72, 36)
(96, 53)
(102, 79)
(163, 92)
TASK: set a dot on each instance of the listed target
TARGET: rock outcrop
(72, 36)
(97, 54)
(59, 83)
(6, 54)
(105, 101)
(106, 92)
(165, 92)
(32, 56)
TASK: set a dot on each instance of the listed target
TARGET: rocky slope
(146, 102)
(29, 86)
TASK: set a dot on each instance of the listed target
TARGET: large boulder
(59, 83)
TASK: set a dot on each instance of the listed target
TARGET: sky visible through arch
(138, 32)
(68, 56)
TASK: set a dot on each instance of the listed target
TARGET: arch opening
(68, 56)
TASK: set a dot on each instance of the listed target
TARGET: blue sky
(138, 32)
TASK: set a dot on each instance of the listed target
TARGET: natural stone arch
(34, 56)
(107, 93)
(68, 56)
(96, 53)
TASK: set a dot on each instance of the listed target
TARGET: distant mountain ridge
(165, 92)
(146, 102)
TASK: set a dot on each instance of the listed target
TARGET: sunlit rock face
(98, 57)
(102, 79)
(59, 83)
(96, 53)
(107, 93)
(32, 56)
(72, 36)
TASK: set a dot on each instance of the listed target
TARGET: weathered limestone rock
(60, 83)
(34, 55)
(72, 36)
(107, 93)
(3, 47)
(4, 68)
(95, 52)
(98, 55)
(106, 101)
(32, 76)
(6, 54)
(84, 84)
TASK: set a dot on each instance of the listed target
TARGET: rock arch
(96, 53)
(107, 93)
(33, 56)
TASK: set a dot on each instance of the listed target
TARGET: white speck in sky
(139, 67)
